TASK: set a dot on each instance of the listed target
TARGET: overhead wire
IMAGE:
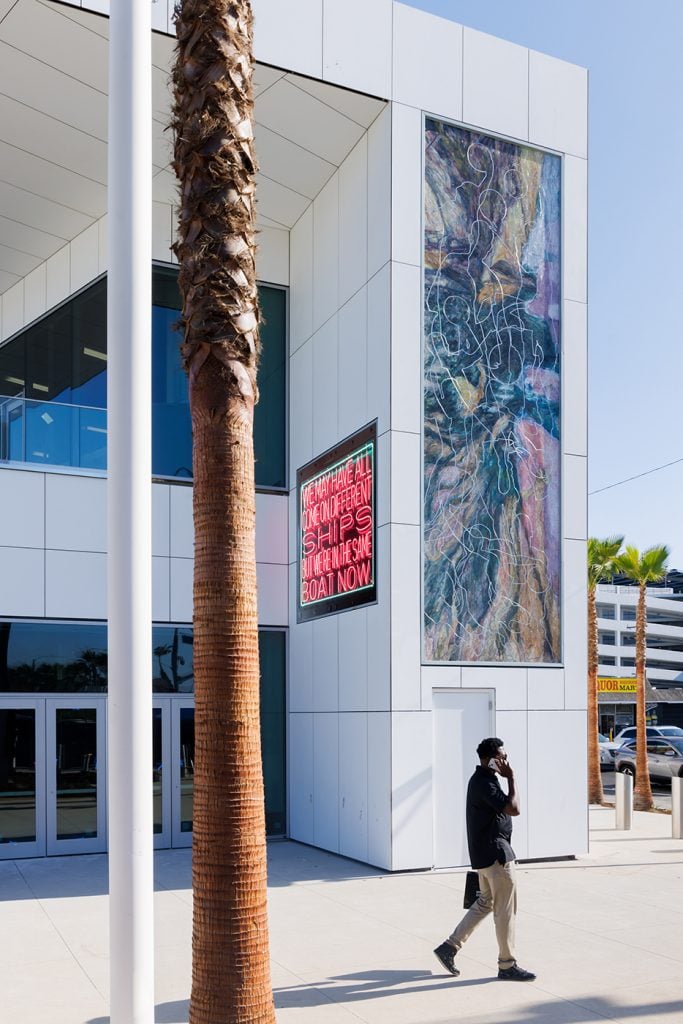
(637, 476)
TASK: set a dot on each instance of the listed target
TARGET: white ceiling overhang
(53, 131)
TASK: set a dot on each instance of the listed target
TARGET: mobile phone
(493, 764)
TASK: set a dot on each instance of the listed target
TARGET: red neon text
(336, 529)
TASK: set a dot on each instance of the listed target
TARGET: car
(652, 730)
(664, 758)
(608, 750)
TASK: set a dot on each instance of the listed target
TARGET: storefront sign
(615, 684)
(337, 527)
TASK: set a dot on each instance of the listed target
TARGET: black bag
(471, 889)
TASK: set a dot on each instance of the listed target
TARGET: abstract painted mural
(491, 544)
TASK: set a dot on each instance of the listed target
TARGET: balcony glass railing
(52, 434)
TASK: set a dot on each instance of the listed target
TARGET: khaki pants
(498, 893)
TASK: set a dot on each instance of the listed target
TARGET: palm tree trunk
(642, 797)
(215, 164)
(595, 791)
(230, 965)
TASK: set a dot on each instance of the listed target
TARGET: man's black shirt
(489, 830)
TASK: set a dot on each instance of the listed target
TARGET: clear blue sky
(633, 53)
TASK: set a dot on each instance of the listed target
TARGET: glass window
(18, 775)
(628, 613)
(53, 657)
(273, 728)
(69, 657)
(53, 386)
(605, 611)
(607, 638)
(270, 417)
(171, 425)
(608, 661)
(172, 661)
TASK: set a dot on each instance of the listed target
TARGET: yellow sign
(615, 684)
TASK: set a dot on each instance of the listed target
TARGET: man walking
(489, 830)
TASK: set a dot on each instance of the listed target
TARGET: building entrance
(53, 796)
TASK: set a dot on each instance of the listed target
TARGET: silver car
(664, 757)
(608, 751)
(629, 733)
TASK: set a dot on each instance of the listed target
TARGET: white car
(670, 731)
(608, 751)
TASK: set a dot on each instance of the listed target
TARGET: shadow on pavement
(365, 985)
(176, 1012)
(84, 875)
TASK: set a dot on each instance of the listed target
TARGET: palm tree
(648, 567)
(215, 164)
(601, 556)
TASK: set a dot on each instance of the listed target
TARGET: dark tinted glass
(171, 426)
(172, 664)
(53, 657)
(270, 417)
(76, 773)
(272, 658)
(17, 775)
(62, 359)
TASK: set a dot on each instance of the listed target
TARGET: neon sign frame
(336, 527)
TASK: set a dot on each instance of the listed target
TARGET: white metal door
(461, 718)
(76, 758)
(22, 777)
(182, 770)
(161, 771)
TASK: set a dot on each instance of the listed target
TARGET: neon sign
(337, 528)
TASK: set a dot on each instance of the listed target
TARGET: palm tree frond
(646, 567)
(602, 553)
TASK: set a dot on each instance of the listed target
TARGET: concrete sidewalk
(603, 933)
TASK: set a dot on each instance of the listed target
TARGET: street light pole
(129, 493)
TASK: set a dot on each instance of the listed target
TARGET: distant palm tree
(601, 556)
(648, 567)
(215, 162)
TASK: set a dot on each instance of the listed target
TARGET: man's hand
(504, 766)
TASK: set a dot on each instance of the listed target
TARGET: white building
(422, 204)
(616, 607)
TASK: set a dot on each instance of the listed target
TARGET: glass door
(182, 764)
(22, 778)
(161, 775)
(76, 771)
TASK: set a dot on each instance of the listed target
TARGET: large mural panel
(491, 544)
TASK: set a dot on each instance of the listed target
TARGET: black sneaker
(515, 973)
(445, 954)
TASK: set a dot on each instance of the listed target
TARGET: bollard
(624, 801)
(677, 808)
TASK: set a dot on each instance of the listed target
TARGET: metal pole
(624, 801)
(677, 808)
(129, 311)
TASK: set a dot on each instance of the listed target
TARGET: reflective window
(273, 728)
(53, 386)
(186, 768)
(172, 664)
(17, 775)
(68, 657)
(53, 657)
(76, 773)
(270, 417)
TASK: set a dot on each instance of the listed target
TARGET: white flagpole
(129, 313)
